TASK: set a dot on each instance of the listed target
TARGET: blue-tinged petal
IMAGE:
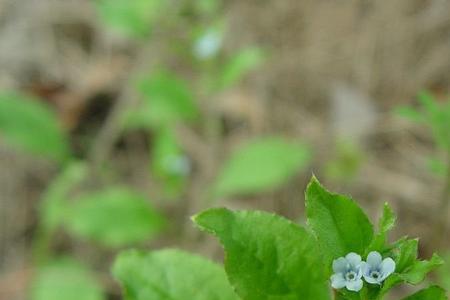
(340, 265)
(387, 267)
(372, 280)
(355, 285)
(374, 259)
(360, 269)
(354, 259)
(338, 281)
(365, 268)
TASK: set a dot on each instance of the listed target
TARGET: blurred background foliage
(121, 119)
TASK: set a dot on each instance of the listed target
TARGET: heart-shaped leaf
(267, 257)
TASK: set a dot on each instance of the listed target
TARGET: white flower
(376, 270)
(208, 44)
(347, 272)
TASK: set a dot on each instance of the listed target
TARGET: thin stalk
(445, 200)
(41, 251)
(442, 213)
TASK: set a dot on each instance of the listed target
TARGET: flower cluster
(349, 270)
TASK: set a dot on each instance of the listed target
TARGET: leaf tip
(211, 220)
(313, 181)
(437, 260)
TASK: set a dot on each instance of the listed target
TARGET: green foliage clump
(269, 257)
(436, 116)
(53, 206)
(444, 273)
(167, 100)
(240, 65)
(169, 163)
(134, 18)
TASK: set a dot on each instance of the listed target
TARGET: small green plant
(270, 257)
(436, 116)
(167, 101)
(111, 216)
(107, 216)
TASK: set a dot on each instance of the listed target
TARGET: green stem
(41, 246)
(442, 220)
(445, 200)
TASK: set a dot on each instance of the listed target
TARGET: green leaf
(207, 7)
(65, 279)
(338, 222)
(346, 295)
(167, 100)
(261, 165)
(267, 257)
(444, 273)
(409, 113)
(391, 282)
(169, 164)
(416, 274)
(114, 217)
(240, 65)
(54, 204)
(134, 18)
(28, 123)
(430, 293)
(428, 101)
(406, 255)
(170, 275)
(386, 223)
(437, 117)
(439, 121)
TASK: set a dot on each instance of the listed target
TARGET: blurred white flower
(208, 44)
(177, 164)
